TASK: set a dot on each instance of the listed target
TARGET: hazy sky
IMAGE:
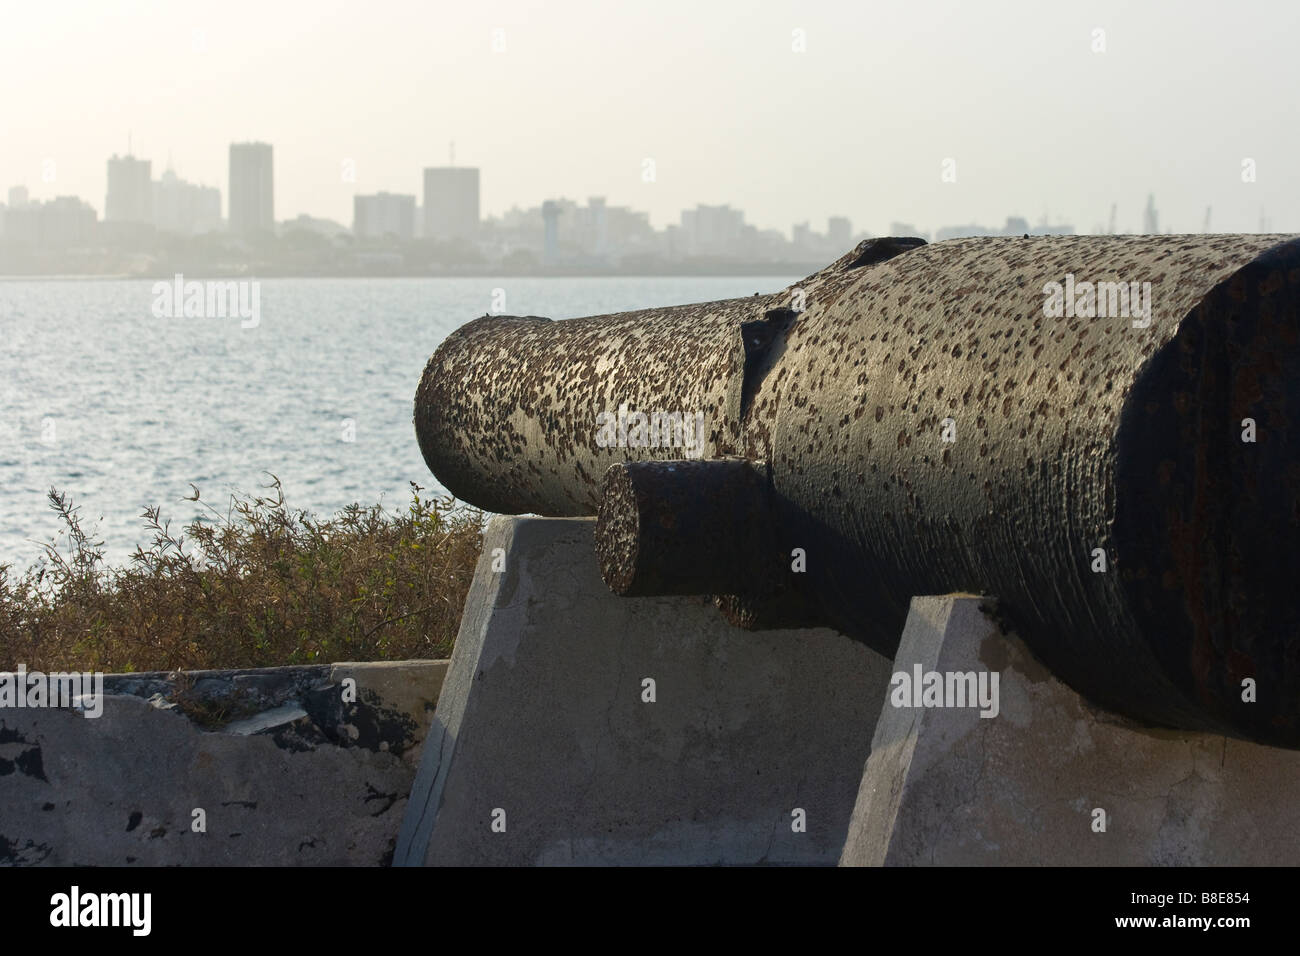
(859, 124)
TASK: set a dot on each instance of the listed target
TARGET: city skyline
(389, 232)
(450, 207)
(1134, 221)
(829, 104)
(145, 219)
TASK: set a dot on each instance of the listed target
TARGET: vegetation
(256, 586)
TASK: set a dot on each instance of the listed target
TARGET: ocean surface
(122, 409)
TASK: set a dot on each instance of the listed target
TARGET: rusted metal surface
(686, 527)
(926, 425)
(506, 413)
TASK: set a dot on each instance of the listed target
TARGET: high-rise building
(184, 208)
(17, 197)
(598, 225)
(252, 189)
(22, 223)
(712, 230)
(451, 202)
(130, 191)
(64, 221)
(1150, 218)
(383, 214)
(840, 232)
(550, 231)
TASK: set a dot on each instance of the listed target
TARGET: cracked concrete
(945, 786)
(275, 767)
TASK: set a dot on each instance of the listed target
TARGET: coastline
(731, 272)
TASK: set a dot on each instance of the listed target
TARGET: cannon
(1102, 432)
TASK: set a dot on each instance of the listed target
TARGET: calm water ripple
(121, 410)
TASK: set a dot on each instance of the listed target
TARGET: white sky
(858, 125)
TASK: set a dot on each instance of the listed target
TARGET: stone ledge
(287, 772)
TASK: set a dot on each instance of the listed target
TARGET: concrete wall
(545, 718)
(289, 766)
(1052, 780)
(548, 749)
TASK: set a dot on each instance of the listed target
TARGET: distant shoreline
(778, 269)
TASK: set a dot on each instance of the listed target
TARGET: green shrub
(257, 586)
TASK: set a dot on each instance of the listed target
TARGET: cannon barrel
(1101, 432)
